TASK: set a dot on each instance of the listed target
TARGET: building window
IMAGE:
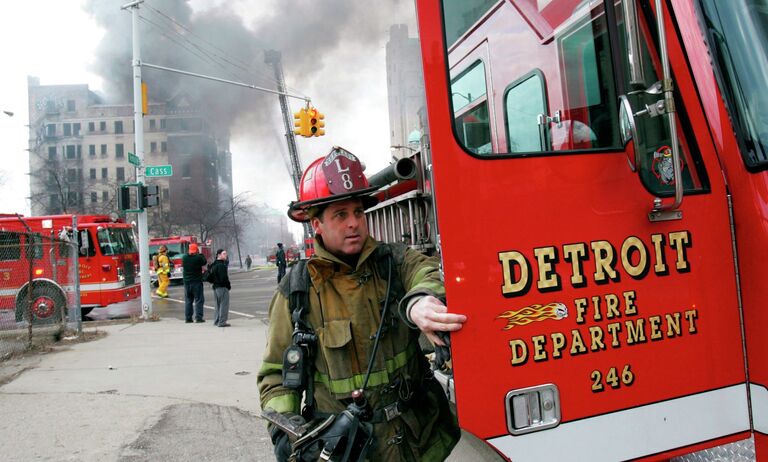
(92, 150)
(71, 105)
(72, 198)
(166, 193)
(71, 151)
(76, 129)
(103, 150)
(50, 130)
(163, 146)
(118, 126)
(67, 129)
(121, 174)
(92, 174)
(71, 175)
(79, 151)
(119, 151)
(51, 152)
(105, 196)
(91, 126)
(186, 171)
(162, 124)
(152, 124)
(104, 173)
(94, 197)
(153, 146)
(103, 126)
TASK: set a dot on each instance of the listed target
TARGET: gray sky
(333, 51)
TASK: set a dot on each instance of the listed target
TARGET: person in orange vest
(163, 270)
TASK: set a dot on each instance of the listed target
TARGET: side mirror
(627, 129)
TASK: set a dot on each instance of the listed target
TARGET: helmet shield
(335, 177)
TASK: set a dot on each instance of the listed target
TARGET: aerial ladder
(273, 57)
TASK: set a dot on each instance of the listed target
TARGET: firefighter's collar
(321, 266)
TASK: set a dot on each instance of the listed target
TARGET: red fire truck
(178, 246)
(292, 254)
(108, 261)
(598, 175)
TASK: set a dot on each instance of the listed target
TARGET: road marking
(205, 306)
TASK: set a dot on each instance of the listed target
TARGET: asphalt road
(249, 298)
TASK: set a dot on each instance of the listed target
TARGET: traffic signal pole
(138, 123)
(272, 57)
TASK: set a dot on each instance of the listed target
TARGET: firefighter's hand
(430, 315)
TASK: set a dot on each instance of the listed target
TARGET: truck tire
(84, 312)
(48, 303)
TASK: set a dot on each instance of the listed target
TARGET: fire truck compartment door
(547, 247)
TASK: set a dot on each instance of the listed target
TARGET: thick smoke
(327, 48)
(311, 35)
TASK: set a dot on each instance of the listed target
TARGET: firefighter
(163, 270)
(346, 345)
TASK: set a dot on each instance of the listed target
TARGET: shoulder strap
(397, 252)
(297, 280)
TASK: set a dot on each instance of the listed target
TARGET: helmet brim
(299, 211)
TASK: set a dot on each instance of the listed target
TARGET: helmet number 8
(344, 176)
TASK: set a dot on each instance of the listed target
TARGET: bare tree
(210, 217)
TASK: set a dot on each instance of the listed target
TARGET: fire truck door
(593, 332)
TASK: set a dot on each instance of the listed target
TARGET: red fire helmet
(335, 177)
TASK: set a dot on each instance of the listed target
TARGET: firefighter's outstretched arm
(430, 315)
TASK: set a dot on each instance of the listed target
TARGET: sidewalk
(161, 390)
(149, 391)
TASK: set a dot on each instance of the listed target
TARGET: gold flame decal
(534, 313)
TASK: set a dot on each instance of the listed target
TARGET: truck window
(65, 248)
(174, 250)
(470, 107)
(523, 102)
(460, 16)
(545, 84)
(34, 246)
(738, 38)
(116, 241)
(10, 246)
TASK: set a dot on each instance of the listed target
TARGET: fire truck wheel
(48, 303)
(84, 312)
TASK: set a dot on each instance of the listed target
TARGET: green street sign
(158, 170)
(134, 159)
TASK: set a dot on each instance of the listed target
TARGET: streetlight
(8, 113)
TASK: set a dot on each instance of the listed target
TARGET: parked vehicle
(36, 264)
(178, 246)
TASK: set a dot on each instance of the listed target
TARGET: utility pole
(273, 57)
(138, 123)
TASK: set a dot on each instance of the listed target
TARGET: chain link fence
(37, 286)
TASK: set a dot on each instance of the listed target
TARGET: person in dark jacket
(192, 265)
(280, 262)
(220, 279)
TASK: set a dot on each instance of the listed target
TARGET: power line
(225, 57)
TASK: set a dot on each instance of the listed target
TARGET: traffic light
(144, 99)
(316, 123)
(124, 198)
(301, 120)
(149, 196)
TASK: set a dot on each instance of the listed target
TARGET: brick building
(79, 156)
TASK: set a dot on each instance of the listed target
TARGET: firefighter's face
(343, 228)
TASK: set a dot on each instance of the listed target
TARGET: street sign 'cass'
(159, 170)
